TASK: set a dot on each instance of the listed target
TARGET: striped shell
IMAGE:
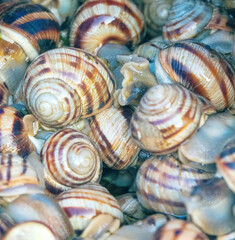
(179, 229)
(162, 183)
(110, 130)
(98, 22)
(13, 137)
(31, 26)
(70, 159)
(200, 69)
(166, 117)
(64, 84)
(225, 162)
(5, 222)
(87, 201)
(194, 19)
(4, 94)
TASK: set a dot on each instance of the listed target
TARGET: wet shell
(31, 26)
(99, 22)
(166, 117)
(200, 69)
(87, 201)
(14, 138)
(70, 159)
(162, 183)
(179, 229)
(110, 130)
(64, 84)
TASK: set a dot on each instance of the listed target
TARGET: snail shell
(4, 94)
(110, 130)
(87, 201)
(64, 84)
(70, 159)
(6, 222)
(179, 229)
(200, 69)
(230, 236)
(166, 117)
(31, 26)
(161, 184)
(100, 22)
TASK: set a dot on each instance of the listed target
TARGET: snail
(110, 130)
(83, 203)
(64, 84)
(162, 183)
(111, 21)
(70, 159)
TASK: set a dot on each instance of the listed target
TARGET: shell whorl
(64, 84)
(98, 22)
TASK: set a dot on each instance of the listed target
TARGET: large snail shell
(161, 184)
(31, 26)
(14, 138)
(110, 130)
(100, 22)
(166, 116)
(200, 69)
(64, 84)
(71, 158)
(87, 201)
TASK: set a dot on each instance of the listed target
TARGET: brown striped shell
(98, 22)
(179, 229)
(162, 183)
(4, 94)
(194, 19)
(70, 159)
(200, 69)
(110, 130)
(64, 84)
(87, 201)
(166, 117)
(14, 138)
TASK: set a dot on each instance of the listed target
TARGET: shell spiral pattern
(71, 158)
(166, 116)
(64, 84)
(98, 22)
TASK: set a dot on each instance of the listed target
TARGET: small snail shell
(179, 229)
(31, 26)
(166, 117)
(87, 201)
(110, 130)
(100, 22)
(200, 69)
(4, 94)
(161, 184)
(32, 230)
(70, 159)
(64, 84)
(14, 138)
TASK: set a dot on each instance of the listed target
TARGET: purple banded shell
(70, 159)
(225, 162)
(99, 22)
(165, 118)
(179, 229)
(162, 183)
(110, 130)
(64, 84)
(200, 69)
(31, 26)
(87, 201)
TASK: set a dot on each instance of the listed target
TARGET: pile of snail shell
(117, 119)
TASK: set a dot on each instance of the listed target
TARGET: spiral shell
(70, 159)
(64, 84)
(166, 116)
(87, 201)
(179, 229)
(162, 183)
(110, 130)
(99, 22)
(31, 26)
